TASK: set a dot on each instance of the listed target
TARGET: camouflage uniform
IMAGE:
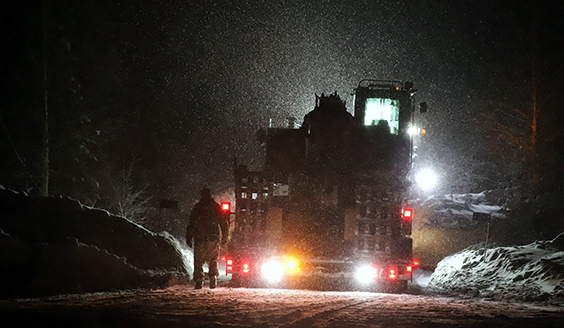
(209, 229)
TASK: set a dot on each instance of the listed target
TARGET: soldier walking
(209, 230)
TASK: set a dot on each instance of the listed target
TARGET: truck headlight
(365, 274)
(272, 270)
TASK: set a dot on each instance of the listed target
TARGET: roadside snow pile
(455, 209)
(532, 272)
(53, 246)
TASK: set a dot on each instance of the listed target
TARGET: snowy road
(181, 306)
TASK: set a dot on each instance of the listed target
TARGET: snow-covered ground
(533, 272)
(182, 306)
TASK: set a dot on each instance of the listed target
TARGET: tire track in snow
(319, 316)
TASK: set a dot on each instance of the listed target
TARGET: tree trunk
(44, 148)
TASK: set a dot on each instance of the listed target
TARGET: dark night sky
(192, 81)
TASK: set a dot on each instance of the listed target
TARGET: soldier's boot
(199, 285)
(213, 282)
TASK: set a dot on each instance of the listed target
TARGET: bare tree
(44, 149)
(129, 201)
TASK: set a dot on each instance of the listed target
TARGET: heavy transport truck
(328, 205)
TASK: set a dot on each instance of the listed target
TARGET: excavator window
(383, 113)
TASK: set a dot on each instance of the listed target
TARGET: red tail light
(415, 264)
(406, 218)
(225, 207)
(407, 214)
(246, 267)
(408, 268)
(228, 266)
(392, 273)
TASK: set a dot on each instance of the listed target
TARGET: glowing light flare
(366, 273)
(426, 179)
(272, 270)
(392, 273)
(412, 130)
(246, 267)
(291, 264)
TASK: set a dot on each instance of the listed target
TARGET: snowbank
(53, 245)
(458, 209)
(530, 272)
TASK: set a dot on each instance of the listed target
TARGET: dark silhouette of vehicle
(330, 199)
